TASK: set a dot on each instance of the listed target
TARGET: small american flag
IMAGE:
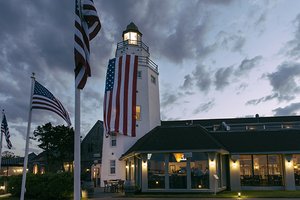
(120, 95)
(87, 25)
(5, 131)
(44, 99)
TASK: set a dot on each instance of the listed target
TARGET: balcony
(123, 44)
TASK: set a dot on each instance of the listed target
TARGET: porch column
(188, 173)
(167, 185)
(289, 177)
(144, 175)
(212, 170)
(235, 176)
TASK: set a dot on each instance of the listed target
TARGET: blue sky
(216, 58)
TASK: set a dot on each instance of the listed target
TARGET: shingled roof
(176, 138)
(264, 141)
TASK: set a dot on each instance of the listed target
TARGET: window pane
(177, 170)
(261, 170)
(199, 171)
(296, 160)
(112, 166)
(156, 171)
(138, 113)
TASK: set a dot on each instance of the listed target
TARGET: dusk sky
(216, 58)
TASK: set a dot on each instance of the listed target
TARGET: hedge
(45, 186)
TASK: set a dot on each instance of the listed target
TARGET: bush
(46, 186)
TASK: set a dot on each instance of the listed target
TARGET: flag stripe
(126, 90)
(118, 76)
(134, 87)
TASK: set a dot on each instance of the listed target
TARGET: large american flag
(87, 25)
(120, 95)
(44, 99)
(5, 131)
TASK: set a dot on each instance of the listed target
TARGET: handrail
(146, 61)
(132, 42)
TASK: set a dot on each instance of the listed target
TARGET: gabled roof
(264, 141)
(176, 138)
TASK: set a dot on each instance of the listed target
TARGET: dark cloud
(287, 110)
(202, 78)
(292, 48)
(247, 64)
(188, 82)
(262, 99)
(204, 107)
(284, 80)
(222, 77)
(168, 99)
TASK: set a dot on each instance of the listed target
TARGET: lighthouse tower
(147, 109)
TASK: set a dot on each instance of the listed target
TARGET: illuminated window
(138, 113)
(112, 167)
(132, 37)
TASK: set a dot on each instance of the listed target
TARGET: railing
(123, 44)
(255, 126)
(145, 61)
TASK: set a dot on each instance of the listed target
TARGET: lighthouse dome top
(132, 28)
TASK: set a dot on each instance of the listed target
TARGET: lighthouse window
(138, 113)
(113, 139)
(139, 74)
(153, 79)
(112, 167)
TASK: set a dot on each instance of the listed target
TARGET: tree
(58, 144)
(8, 155)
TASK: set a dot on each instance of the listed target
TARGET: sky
(216, 58)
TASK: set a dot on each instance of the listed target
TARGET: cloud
(292, 48)
(287, 110)
(247, 64)
(188, 82)
(205, 107)
(262, 99)
(233, 42)
(222, 77)
(284, 80)
(202, 78)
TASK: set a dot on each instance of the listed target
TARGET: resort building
(259, 153)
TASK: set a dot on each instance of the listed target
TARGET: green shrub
(47, 186)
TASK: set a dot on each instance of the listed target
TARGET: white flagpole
(1, 138)
(23, 189)
(77, 164)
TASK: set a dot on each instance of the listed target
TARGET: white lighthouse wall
(148, 100)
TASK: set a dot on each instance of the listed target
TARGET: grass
(224, 194)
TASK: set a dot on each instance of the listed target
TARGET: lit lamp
(239, 194)
(132, 34)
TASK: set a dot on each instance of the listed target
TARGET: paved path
(99, 194)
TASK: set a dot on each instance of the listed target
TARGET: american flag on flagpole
(45, 100)
(120, 95)
(5, 131)
(87, 25)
